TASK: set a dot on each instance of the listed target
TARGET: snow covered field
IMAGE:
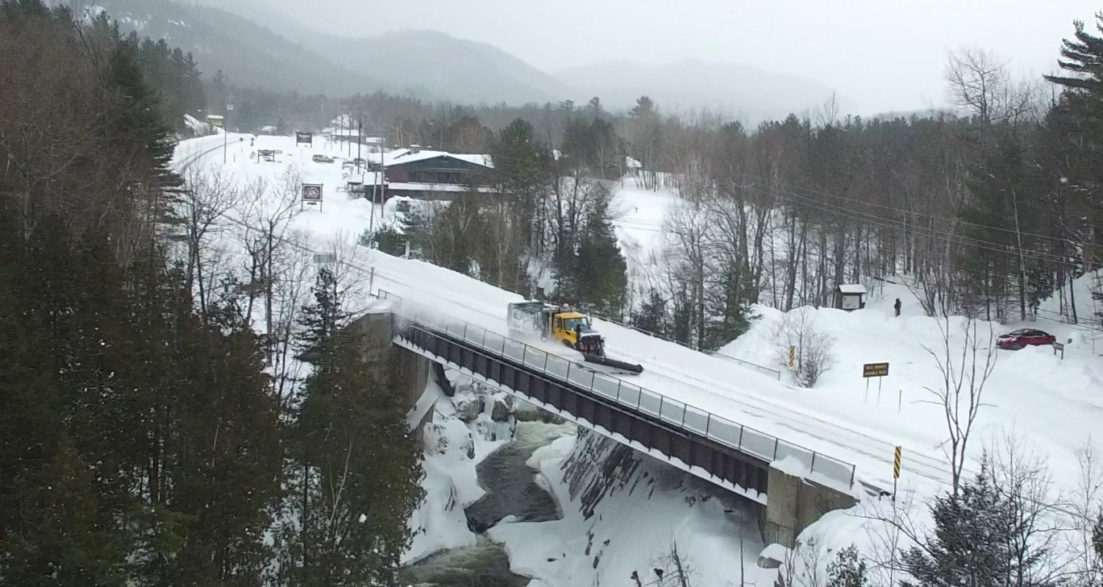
(1053, 405)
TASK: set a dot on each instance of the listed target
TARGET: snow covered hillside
(1055, 405)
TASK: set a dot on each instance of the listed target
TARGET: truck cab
(574, 330)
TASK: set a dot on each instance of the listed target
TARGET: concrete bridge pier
(794, 503)
(410, 370)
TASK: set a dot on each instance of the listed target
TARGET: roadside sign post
(878, 370)
(895, 471)
(1059, 347)
(312, 194)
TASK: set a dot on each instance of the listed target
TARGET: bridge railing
(719, 429)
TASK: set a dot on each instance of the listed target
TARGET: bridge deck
(697, 453)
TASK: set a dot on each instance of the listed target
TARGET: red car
(1017, 339)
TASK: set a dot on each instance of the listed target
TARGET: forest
(150, 435)
(143, 437)
(986, 209)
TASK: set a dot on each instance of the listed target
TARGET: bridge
(795, 485)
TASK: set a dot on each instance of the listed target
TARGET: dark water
(484, 565)
(510, 491)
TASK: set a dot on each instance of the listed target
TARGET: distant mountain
(738, 90)
(442, 67)
(427, 64)
(248, 54)
(263, 48)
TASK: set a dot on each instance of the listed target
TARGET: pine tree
(523, 167)
(652, 314)
(322, 319)
(970, 545)
(728, 316)
(361, 468)
(353, 479)
(137, 129)
(51, 522)
(599, 269)
(847, 570)
(1079, 117)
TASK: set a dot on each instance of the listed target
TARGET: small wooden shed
(850, 296)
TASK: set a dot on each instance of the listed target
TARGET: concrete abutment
(794, 503)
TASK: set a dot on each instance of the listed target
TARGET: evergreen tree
(322, 319)
(970, 545)
(387, 239)
(143, 448)
(847, 570)
(137, 129)
(522, 166)
(598, 272)
(52, 524)
(360, 468)
(652, 314)
(1079, 117)
(727, 317)
(681, 323)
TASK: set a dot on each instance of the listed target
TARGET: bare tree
(1022, 479)
(891, 529)
(685, 233)
(266, 218)
(292, 289)
(672, 570)
(209, 197)
(980, 83)
(811, 346)
(1084, 512)
(964, 374)
(802, 566)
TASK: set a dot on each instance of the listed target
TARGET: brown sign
(875, 370)
(312, 192)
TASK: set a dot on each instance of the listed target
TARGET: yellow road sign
(896, 464)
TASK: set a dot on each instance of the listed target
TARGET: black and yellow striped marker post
(895, 470)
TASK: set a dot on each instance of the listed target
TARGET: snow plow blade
(606, 361)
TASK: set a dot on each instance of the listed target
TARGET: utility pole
(380, 187)
(226, 125)
(382, 172)
(359, 141)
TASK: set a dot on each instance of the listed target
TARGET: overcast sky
(879, 54)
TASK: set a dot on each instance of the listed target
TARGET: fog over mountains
(260, 47)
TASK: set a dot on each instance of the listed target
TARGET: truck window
(574, 323)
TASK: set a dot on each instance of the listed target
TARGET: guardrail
(745, 439)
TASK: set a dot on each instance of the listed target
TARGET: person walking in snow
(896, 307)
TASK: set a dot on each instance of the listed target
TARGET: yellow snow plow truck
(564, 325)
